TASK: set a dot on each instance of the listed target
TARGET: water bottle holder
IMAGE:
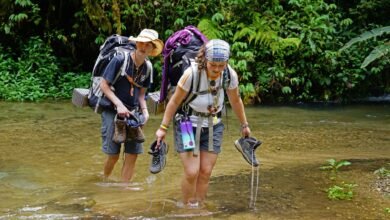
(187, 134)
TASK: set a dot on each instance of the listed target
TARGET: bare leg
(109, 165)
(191, 172)
(207, 163)
(128, 167)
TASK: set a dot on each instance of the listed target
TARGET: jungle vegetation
(285, 51)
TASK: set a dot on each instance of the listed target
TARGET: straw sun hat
(150, 35)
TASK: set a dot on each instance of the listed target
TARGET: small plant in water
(334, 165)
(343, 192)
(382, 172)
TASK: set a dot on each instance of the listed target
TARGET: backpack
(180, 50)
(114, 46)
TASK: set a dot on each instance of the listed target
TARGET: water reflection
(51, 166)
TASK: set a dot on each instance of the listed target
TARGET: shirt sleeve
(233, 78)
(186, 80)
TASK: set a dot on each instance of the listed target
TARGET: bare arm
(142, 104)
(238, 108)
(120, 108)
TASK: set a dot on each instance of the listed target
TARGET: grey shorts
(204, 138)
(110, 147)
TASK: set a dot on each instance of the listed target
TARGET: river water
(51, 166)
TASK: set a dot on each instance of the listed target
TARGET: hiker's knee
(112, 158)
(191, 174)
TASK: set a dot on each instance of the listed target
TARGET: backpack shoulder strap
(194, 85)
(122, 71)
(149, 70)
(226, 77)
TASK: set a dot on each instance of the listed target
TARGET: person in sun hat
(149, 35)
(215, 75)
(128, 97)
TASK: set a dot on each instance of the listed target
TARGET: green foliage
(338, 192)
(383, 172)
(283, 51)
(378, 51)
(69, 81)
(25, 11)
(297, 44)
(366, 36)
(35, 75)
(29, 76)
(209, 28)
(343, 192)
(334, 165)
(368, 12)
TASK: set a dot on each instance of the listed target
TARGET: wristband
(164, 127)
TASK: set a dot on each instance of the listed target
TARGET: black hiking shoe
(119, 130)
(158, 157)
(247, 146)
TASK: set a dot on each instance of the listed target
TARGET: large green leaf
(367, 35)
(379, 51)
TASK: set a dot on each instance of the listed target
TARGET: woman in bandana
(198, 126)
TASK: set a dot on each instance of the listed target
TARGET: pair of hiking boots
(247, 146)
(128, 130)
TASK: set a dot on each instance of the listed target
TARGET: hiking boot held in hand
(134, 130)
(139, 137)
(247, 146)
(135, 134)
(158, 157)
(119, 130)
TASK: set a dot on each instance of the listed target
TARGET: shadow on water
(51, 164)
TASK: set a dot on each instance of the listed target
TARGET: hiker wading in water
(204, 113)
(128, 96)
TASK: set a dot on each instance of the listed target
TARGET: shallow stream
(51, 166)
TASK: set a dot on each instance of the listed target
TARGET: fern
(218, 17)
(378, 52)
(23, 3)
(367, 35)
(209, 28)
(261, 33)
(18, 17)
